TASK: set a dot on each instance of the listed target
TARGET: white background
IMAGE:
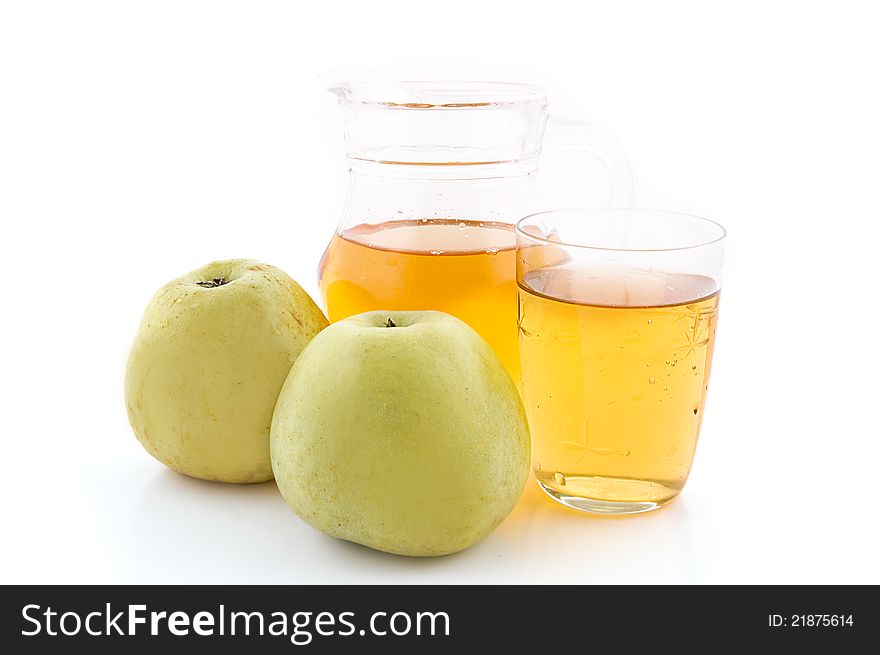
(141, 140)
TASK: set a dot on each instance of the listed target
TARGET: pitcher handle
(596, 141)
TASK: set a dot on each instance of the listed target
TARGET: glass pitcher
(440, 172)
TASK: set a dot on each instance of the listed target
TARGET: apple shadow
(192, 531)
(195, 531)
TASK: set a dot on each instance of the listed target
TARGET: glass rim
(641, 210)
(442, 94)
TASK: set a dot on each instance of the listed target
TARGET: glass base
(604, 506)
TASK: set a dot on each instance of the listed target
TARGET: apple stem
(389, 323)
(210, 284)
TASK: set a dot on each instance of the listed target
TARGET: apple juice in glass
(617, 316)
(440, 172)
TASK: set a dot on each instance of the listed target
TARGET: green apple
(401, 431)
(211, 354)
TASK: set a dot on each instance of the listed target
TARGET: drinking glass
(617, 313)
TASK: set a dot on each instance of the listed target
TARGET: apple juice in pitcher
(439, 175)
(464, 268)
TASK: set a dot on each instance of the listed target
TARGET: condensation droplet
(559, 478)
(696, 409)
(650, 321)
(648, 364)
(665, 388)
(694, 367)
(667, 361)
(651, 380)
